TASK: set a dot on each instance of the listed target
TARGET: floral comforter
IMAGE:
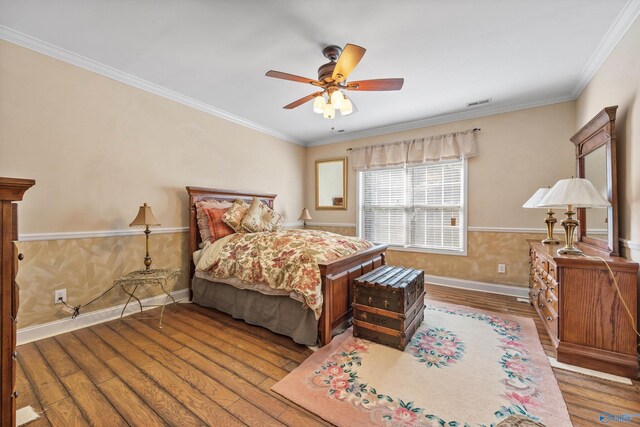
(286, 260)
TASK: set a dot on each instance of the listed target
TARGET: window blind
(415, 206)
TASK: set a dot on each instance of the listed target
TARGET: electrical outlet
(58, 294)
(502, 268)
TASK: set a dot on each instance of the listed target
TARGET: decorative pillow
(261, 217)
(234, 216)
(203, 219)
(217, 228)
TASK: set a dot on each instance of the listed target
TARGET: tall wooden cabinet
(581, 310)
(11, 190)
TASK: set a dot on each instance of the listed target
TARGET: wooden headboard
(198, 194)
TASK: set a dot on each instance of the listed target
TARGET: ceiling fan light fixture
(337, 98)
(347, 107)
(329, 111)
(319, 104)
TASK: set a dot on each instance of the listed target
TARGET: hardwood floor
(205, 368)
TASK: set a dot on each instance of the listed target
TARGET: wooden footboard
(337, 286)
(337, 276)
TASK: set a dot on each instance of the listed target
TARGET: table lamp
(574, 192)
(146, 219)
(304, 216)
(550, 220)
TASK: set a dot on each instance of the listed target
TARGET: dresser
(577, 301)
(11, 190)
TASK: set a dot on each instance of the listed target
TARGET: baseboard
(46, 330)
(472, 285)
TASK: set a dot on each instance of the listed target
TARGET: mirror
(596, 161)
(331, 184)
(595, 170)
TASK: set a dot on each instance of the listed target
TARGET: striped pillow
(203, 219)
(217, 227)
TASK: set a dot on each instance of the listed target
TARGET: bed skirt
(279, 314)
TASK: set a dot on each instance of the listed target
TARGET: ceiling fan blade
(349, 58)
(301, 101)
(376, 84)
(292, 77)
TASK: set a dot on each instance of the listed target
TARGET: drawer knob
(14, 394)
(549, 319)
(15, 355)
(541, 305)
(386, 304)
(20, 256)
(363, 316)
(370, 300)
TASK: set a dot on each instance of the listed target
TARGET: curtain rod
(472, 130)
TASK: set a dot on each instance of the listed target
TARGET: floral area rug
(463, 367)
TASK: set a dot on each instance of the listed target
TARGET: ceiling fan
(332, 80)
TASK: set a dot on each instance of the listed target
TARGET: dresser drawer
(553, 271)
(550, 318)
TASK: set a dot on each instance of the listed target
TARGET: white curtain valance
(451, 146)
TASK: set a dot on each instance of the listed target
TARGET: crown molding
(618, 29)
(457, 116)
(623, 21)
(67, 56)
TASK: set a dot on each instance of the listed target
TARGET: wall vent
(480, 102)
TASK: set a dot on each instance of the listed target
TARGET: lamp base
(569, 224)
(569, 251)
(550, 222)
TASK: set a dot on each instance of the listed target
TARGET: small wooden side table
(165, 279)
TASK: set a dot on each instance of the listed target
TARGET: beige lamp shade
(304, 216)
(145, 218)
(534, 201)
(577, 192)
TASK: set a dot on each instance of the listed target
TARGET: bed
(281, 313)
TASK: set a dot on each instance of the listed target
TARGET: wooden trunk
(389, 305)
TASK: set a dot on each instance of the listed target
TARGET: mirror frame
(600, 131)
(344, 184)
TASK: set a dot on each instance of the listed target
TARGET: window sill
(427, 250)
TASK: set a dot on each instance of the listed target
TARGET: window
(421, 207)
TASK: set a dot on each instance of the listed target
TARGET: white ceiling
(213, 54)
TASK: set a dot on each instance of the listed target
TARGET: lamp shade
(304, 216)
(145, 217)
(534, 200)
(347, 107)
(318, 104)
(577, 192)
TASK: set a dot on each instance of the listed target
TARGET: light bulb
(347, 107)
(329, 111)
(337, 98)
(318, 104)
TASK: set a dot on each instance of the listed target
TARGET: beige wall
(98, 148)
(485, 251)
(519, 152)
(617, 82)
